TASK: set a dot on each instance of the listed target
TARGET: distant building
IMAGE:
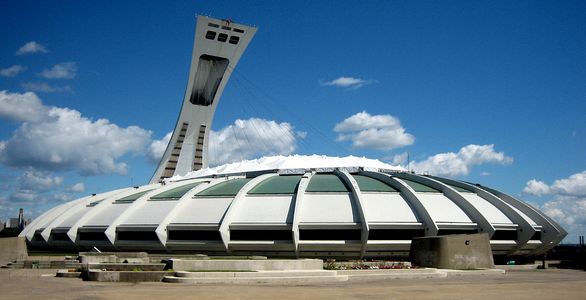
(21, 219)
(12, 223)
(2, 225)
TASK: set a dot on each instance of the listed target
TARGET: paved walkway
(516, 284)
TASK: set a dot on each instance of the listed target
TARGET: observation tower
(218, 45)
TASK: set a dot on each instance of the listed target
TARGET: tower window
(210, 35)
(222, 37)
(234, 40)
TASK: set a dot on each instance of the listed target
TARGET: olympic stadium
(296, 206)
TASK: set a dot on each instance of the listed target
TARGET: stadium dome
(297, 206)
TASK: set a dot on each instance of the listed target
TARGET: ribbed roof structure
(282, 206)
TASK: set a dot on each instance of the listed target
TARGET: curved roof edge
(293, 164)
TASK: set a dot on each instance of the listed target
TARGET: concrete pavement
(516, 284)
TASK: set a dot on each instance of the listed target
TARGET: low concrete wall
(460, 252)
(126, 267)
(127, 276)
(244, 265)
(113, 257)
(11, 249)
(96, 259)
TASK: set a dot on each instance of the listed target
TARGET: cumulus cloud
(246, 139)
(568, 201)
(25, 107)
(536, 187)
(12, 71)
(157, 148)
(65, 70)
(61, 139)
(38, 181)
(401, 159)
(76, 188)
(380, 132)
(30, 48)
(573, 186)
(347, 82)
(460, 163)
(45, 87)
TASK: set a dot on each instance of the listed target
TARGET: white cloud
(76, 188)
(347, 82)
(45, 87)
(569, 212)
(38, 181)
(23, 196)
(30, 48)
(460, 163)
(157, 148)
(26, 107)
(567, 204)
(400, 159)
(574, 185)
(380, 132)
(61, 139)
(12, 71)
(246, 139)
(65, 70)
(536, 187)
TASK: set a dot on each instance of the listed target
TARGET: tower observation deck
(218, 46)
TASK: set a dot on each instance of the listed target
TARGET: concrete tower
(218, 45)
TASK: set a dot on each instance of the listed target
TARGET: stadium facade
(297, 206)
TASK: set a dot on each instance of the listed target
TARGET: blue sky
(486, 91)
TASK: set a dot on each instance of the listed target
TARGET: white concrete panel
(108, 215)
(441, 209)
(269, 209)
(524, 216)
(489, 211)
(151, 212)
(202, 210)
(60, 209)
(328, 208)
(67, 223)
(388, 208)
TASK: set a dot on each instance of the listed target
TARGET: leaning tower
(218, 45)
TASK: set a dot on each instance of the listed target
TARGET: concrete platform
(246, 264)
(126, 276)
(286, 277)
(67, 274)
(282, 277)
(370, 275)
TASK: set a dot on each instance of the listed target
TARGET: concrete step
(369, 275)
(259, 280)
(278, 273)
(65, 273)
(387, 271)
(480, 272)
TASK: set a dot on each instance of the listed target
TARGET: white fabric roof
(293, 162)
